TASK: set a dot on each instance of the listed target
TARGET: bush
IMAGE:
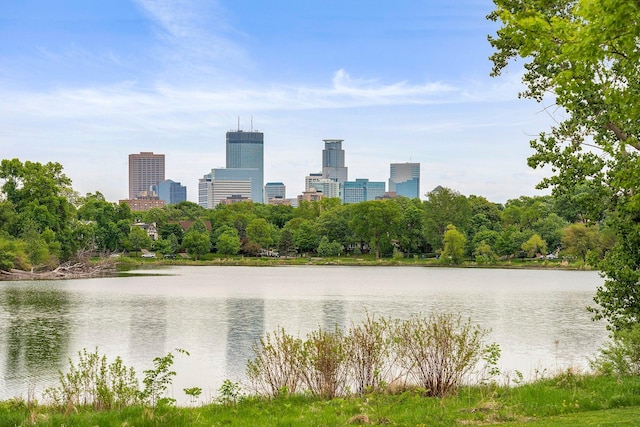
(437, 352)
(276, 367)
(621, 356)
(368, 347)
(94, 382)
(323, 363)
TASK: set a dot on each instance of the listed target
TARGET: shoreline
(99, 267)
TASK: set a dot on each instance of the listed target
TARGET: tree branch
(622, 136)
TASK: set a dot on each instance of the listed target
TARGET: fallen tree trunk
(76, 270)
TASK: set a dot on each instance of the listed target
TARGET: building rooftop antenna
(238, 123)
(252, 123)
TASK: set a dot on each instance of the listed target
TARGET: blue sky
(87, 82)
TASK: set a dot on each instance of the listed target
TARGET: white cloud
(130, 103)
(197, 41)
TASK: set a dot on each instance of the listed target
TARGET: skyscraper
(274, 190)
(222, 183)
(361, 190)
(145, 171)
(245, 150)
(333, 161)
(405, 179)
(171, 192)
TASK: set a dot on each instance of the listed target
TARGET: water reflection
(333, 314)
(245, 326)
(147, 327)
(35, 326)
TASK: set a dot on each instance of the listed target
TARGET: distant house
(151, 229)
(185, 225)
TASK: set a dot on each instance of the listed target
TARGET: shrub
(276, 366)
(230, 393)
(94, 382)
(323, 363)
(620, 356)
(368, 351)
(157, 380)
(437, 352)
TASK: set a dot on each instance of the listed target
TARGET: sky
(87, 82)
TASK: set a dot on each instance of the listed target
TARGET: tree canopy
(582, 56)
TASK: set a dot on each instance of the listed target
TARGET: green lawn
(568, 400)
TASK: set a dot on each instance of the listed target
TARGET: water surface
(537, 316)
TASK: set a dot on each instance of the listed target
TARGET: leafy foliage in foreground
(585, 54)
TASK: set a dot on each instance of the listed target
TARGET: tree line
(44, 222)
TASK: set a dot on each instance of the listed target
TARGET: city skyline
(86, 83)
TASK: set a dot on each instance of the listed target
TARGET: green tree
(443, 207)
(156, 215)
(411, 238)
(376, 222)
(260, 232)
(586, 53)
(228, 242)
(286, 246)
(36, 248)
(35, 199)
(139, 239)
(305, 236)
(280, 214)
(327, 248)
(510, 240)
(535, 246)
(334, 223)
(13, 254)
(579, 239)
(174, 244)
(484, 254)
(196, 243)
(198, 226)
(8, 217)
(453, 242)
(488, 237)
(166, 230)
(550, 229)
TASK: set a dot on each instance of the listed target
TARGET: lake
(538, 317)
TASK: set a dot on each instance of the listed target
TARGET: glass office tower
(405, 179)
(245, 150)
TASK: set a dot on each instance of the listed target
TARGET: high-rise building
(274, 190)
(171, 192)
(328, 187)
(333, 161)
(146, 170)
(223, 183)
(405, 179)
(205, 197)
(245, 150)
(310, 179)
(361, 190)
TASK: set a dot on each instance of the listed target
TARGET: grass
(567, 400)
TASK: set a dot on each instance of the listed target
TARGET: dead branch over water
(71, 270)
